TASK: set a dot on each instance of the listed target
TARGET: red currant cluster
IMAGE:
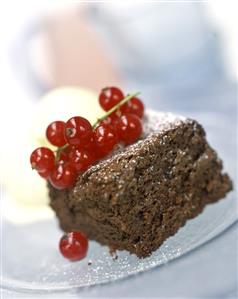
(81, 145)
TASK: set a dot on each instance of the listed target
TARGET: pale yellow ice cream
(26, 192)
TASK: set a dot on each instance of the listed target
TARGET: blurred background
(55, 58)
(167, 45)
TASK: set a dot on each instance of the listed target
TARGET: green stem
(115, 108)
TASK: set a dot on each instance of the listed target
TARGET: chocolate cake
(142, 194)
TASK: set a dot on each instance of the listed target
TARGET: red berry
(109, 97)
(42, 159)
(78, 131)
(99, 155)
(90, 146)
(81, 159)
(63, 176)
(105, 138)
(63, 157)
(64, 154)
(134, 106)
(73, 246)
(55, 133)
(44, 174)
(129, 128)
(110, 120)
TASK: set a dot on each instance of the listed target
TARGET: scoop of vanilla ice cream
(23, 185)
(62, 104)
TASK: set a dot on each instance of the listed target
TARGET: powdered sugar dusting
(154, 122)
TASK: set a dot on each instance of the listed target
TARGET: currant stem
(115, 108)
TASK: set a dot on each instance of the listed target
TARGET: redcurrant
(73, 246)
(110, 120)
(64, 154)
(78, 131)
(105, 138)
(81, 159)
(129, 128)
(90, 146)
(63, 176)
(109, 97)
(44, 174)
(42, 159)
(134, 106)
(55, 133)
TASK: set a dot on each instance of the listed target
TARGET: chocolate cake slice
(142, 194)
